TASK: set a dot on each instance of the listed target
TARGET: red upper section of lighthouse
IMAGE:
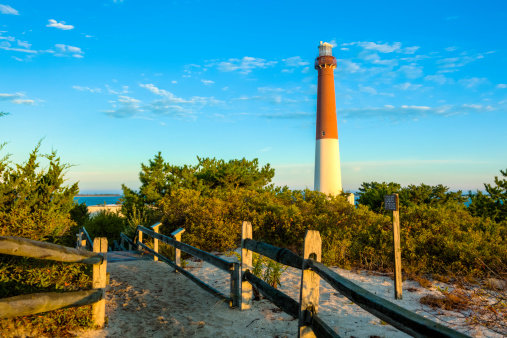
(327, 126)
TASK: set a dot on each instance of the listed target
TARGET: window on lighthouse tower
(323, 133)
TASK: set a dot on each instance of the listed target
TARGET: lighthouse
(328, 177)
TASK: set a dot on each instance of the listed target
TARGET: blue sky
(421, 86)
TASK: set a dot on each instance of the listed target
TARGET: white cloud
(8, 38)
(305, 70)
(8, 47)
(87, 89)
(20, 101)
(5, 9)
(478, 107)
(408, 86)
(473, 82)
(411, 71)
(59, 25)
(127, 99)
(501, 85)
(369, 90)
(451, 49)
(161, 92)
(416, 107)
(5, 96)
(412, 112)
(410, 50)
(125, 107)
(74, 49)
(207, 82)
(375, 58)
(270, 90)
(295, 61)
(166, 106)
(16, 98)
(244, 65)
(382, 48)
(24, 44)
(66, 50)
(440, 79)
(459, 61)
(174, 81)
(347, 66)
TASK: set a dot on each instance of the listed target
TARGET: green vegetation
(372, 195)
(35, 204)
(439, 234)
(494, 203)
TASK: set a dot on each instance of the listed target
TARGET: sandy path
(148, 299)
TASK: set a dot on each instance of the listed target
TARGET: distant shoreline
(98, 195)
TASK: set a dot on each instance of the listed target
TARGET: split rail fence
(34, 303)
(232, 268)
(312, 271)
(306, 310)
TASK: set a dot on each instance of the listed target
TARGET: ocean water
(94, 200)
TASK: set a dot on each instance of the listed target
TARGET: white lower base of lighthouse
(328, 175)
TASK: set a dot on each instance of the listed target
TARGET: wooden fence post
(392, 202)
(155, 241)
(176, 234)
(398, 281)
(310, 283)
(246, 264)
(99, 281)
(139, 239)
(235, 293)
(78, 235)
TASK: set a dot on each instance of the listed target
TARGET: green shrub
(438, 234)
(493, 203)
(105, 223)
(372, 195)
(35, 204)
(79, 214)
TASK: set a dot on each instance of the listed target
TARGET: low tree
(34, 202)
(372, 195)
(493, 203)
(159, 178)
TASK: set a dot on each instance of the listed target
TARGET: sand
(149, 299)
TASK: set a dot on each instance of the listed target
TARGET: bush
(105, 223)
(438, 234)
(35, 204)
(372, 195)
(493, 203)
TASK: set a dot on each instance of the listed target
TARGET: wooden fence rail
(42, 302)
(83, 240)
(310, 324)
(279, 255)
(124, 239)
(232, 268)
(402, 319)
